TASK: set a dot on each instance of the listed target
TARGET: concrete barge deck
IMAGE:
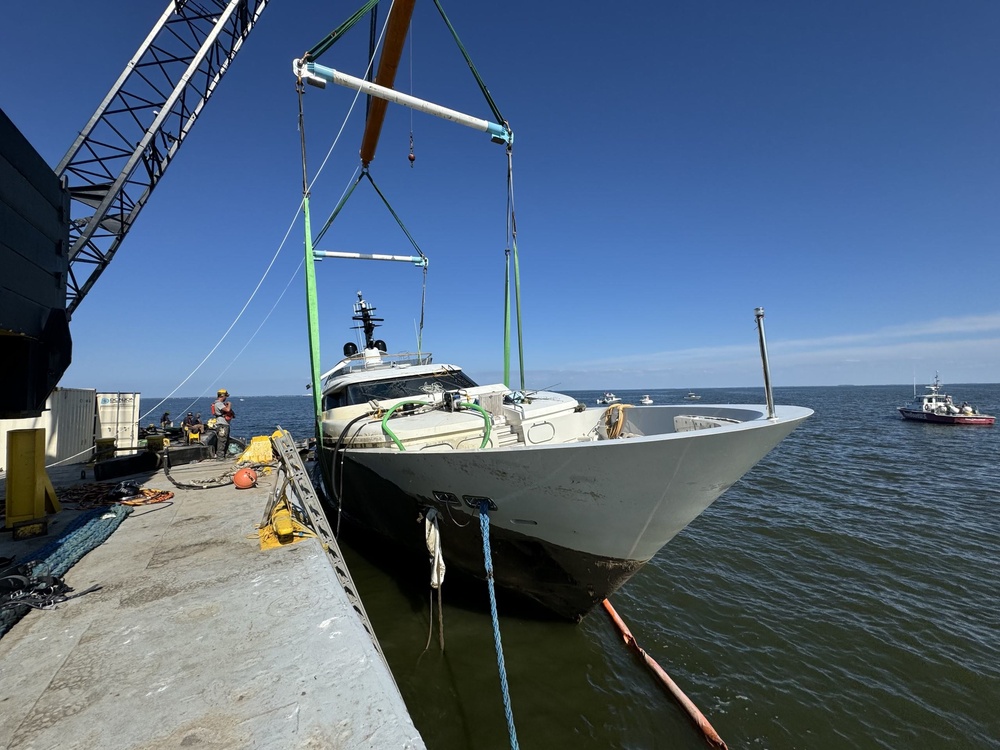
(197, 638)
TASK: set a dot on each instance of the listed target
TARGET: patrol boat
(935, 406)
(578, 499)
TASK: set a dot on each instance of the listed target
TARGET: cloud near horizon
(892, 354)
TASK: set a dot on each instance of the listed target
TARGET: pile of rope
(223, 480)
(149, 497)
(614, 420)
(103, 494)
(29, 585)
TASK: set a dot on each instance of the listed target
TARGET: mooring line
(484, 525)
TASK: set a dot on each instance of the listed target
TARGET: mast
(363, 315)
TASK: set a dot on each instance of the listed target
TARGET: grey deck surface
(197, 639)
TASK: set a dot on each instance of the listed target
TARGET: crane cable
(510, 252)
(313, 54)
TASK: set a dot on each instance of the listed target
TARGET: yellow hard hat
(222, 392)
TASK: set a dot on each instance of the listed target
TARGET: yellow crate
(259, 451)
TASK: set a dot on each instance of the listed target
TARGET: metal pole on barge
(759, 314)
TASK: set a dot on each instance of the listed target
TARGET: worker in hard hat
(223, 412)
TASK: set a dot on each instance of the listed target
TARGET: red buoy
(244, 479)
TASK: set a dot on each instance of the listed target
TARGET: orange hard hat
(244, 479)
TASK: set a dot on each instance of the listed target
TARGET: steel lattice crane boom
(125, 148)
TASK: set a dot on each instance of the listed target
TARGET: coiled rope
(484, 525)
(614, 420)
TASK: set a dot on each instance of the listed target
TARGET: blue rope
(82, 534)
(484, 525)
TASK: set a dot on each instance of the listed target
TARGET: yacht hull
(569, 522)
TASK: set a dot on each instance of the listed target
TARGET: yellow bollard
(105, 449)
(30, 496)
(157, 443)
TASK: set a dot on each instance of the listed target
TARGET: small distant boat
(939, 407)
(645, 400)
(692, 396)
(608, 398)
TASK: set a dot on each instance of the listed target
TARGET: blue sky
(675, 166)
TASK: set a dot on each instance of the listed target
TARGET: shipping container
(118, 417)
(68, 421)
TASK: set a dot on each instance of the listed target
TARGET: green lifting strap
(340, 205)
(512, 237)
(399, 221)
(472, 67)
(312, 304)
(328, 41)
(506, 319)
(413, 242)
(336, 210)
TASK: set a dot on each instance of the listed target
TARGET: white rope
(284, 239)
(267, 270)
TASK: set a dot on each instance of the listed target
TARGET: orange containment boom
(711, 736)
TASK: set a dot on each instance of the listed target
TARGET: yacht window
(416, 385)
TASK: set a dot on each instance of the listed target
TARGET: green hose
(385, 427)
(462, 405)
(486, 419)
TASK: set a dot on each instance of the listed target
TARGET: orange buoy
(244, 479)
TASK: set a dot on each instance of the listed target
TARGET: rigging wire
(235, 321)
(281, 246)
(274, 307)
(412, 157)
(372, 46)
(517, 263)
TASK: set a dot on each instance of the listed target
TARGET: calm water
(255, 415)
(842, 595)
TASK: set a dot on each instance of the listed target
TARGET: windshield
(417, 385)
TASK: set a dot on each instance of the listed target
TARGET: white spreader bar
(414, 259)
(319, 75)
